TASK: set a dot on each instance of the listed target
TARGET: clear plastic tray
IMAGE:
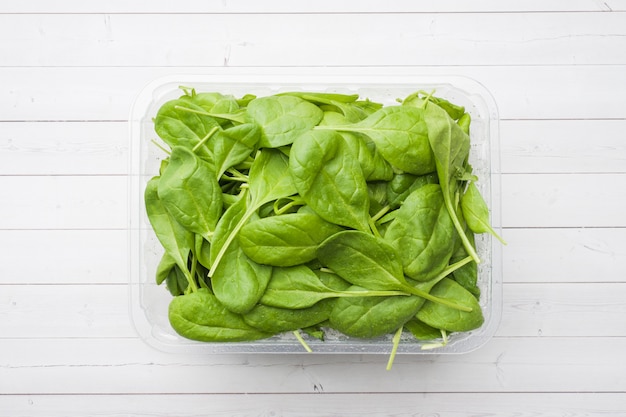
(149, 302)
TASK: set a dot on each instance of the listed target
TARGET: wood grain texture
(118, 366)
(322, 6)
(235, 39)
(330, 405)
(69, 73)
(105, 94)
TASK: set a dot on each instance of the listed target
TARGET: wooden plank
(515, 365)
(563, 200)
(64, 148)
(539, 92)
(321, 6)
(64, 257)
(65, 311)
(101, 148)
(592, 309)
(288, 39)
(563, 146)
(63, 202)
(330, 405)
(564, 255)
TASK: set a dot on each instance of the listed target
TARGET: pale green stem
(380, 213)
(204, 139)
(394, 349)
(232, 117)
(302, 341)
(161, 147)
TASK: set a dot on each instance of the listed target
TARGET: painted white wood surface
(69, 71)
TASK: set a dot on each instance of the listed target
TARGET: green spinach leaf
(189, 191)
(476, 212)
(423, 233)
(286, 240)
(443, 317)
(200, 316)
(282, 118)
(329, 179)
(400, 135)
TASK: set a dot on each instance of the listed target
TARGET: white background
(69, 71)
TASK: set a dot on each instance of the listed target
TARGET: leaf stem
(370, 293)
(373, 228)
(204, 139)
(236, 175)
(302, 341)
(192, 274)
(435, 299)
(234, 117)
(293, 201)
(231, 236)
(394, 349)
(451, 268)
(161, 147)
(381, 213)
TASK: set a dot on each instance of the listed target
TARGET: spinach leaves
(314, 211)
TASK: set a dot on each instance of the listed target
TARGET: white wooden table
(69, 71)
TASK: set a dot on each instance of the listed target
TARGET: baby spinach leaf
(363, 260)
(377, 192)
(329, 179)
(213, 102)
(282, 118)
(299, 287)
(270, 178)
(226, 226)
(202, 251)
(164, 267)
(476, 212)
(189, 191)
(286, 240)
(322, 97)
(233, 146)
(400, 135)
(239, 282)
(175, 239)
(370, 262)
(422, 233)
(368, 106)
(464, 123)
(180, 127)
(277, 320)
(401, 185)
(450, 146)
(176, 281)
(421, 330)
(294, 287)
(370, 317)
(200, 316)
(443, 317)
(419, 99)
(466, 275)
(332, 280)
(373, 165)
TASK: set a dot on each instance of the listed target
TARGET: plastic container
(149, 302)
